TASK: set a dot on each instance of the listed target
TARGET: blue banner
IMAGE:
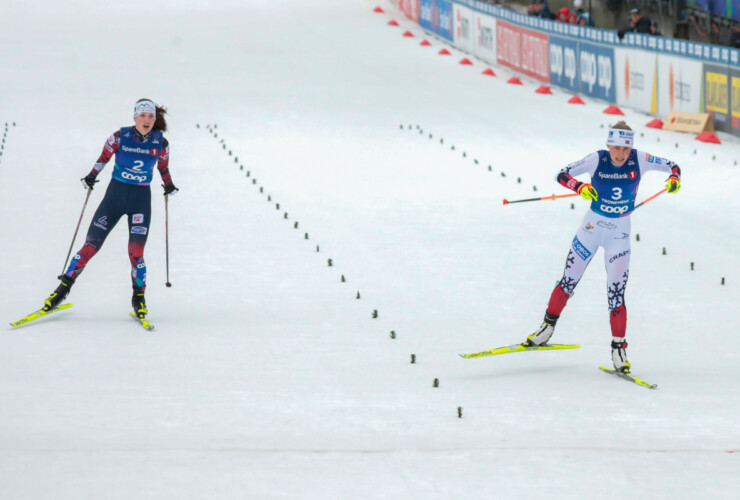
(564, 63)
(596, 71)
(436, 16)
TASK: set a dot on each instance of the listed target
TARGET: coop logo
(596, 73)
(580, 249)
(563, 63)
(131, 177)
(102, 223)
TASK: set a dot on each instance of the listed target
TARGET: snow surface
(266, 376)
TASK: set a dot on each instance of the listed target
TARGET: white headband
(145, 107)
(619, 137)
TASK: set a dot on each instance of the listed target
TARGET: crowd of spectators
(639, 24)
(578, 15)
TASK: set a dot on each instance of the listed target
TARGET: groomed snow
(266, 376)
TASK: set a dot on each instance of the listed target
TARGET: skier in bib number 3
(138, 150)
(615, 176)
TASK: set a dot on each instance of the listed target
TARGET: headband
(620, 137)
(145, 107)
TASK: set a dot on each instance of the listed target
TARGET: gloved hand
(170, 190)
(672, 184)
(588, 192)
(88, 182)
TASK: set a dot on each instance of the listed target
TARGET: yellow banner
(716, 92)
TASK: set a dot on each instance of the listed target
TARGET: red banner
(410, 8)
(523, 50)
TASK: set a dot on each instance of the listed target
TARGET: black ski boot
(58, 296)
(139, 303)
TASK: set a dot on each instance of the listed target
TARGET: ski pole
(76, 229)
(506, 202)
(651, 198)
(167, 241)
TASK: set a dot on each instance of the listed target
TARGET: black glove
(88, 182)
(170, 190)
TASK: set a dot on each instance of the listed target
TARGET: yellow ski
(519, 348)
(38, 314)
(142, 321)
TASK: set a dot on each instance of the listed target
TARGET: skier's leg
(139, 218)
(617, 262)
(582, 250)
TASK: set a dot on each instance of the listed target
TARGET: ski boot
(619, 355)
(58, 295)
(139, 304)
(543, 334)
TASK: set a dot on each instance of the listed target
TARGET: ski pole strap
(506, 202)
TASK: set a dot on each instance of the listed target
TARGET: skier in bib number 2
(138, 150)
(615, 176)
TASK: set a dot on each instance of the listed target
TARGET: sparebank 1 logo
(563, 62)
(596, 70)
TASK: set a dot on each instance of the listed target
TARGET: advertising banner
(679, 85)
(463, 28)
(683, 121)
(596, 71)
(523, 50)
(735, 101)
(485, 37)
(410, 7)
(436, 16)
(563, 65)
(717, 95)
(637, 79)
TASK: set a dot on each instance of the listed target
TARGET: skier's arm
(649, 162)
(109, 149)
(163, 167)
(566, 177)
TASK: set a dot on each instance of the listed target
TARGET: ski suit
(607, 225)
(128, 194)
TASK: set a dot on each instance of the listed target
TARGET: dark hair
(160, 123)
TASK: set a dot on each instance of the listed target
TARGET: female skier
(138, 149)
(615, 176)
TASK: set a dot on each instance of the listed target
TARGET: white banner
(463, 28)
(679, 85)
(637, 73)
(485, 37)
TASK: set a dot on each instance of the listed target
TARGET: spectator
(581, 12)
(563, 15)
(654, 29)
(539, 8)
(638, 24)
(584, 20)
(573, 18)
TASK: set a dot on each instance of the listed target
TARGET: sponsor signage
(523, 50)
(638, 79)
(436, 16)
(563, 63)
(683, 121)
(410, 7)
(463, 27)
(596, 71)
(679, 85)
(485, 37)
(735, 101)
(717, 95)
